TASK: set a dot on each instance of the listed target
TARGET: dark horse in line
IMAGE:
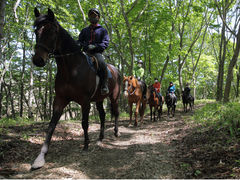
(75, 80)
(154, 102)
(187, 98)
(171, 101)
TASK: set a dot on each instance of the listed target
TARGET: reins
(52, 55)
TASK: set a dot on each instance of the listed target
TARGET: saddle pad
(91, 65)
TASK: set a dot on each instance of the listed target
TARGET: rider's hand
(91, 46)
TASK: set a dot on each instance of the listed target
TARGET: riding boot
(103, 72)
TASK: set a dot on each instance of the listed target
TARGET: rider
(172, 89)
(139, 73)
(157, 87)
(94, 39)
(187, 89)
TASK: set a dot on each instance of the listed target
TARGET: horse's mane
(69, 44)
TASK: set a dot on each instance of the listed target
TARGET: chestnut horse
(155, 102)
(133, 90)
(76, 80)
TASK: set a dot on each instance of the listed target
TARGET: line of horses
(133, 91)
(76, 80)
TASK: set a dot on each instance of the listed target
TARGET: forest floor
(169, 148)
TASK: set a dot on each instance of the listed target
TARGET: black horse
(76, 80)
(187, 98)
(171, 101)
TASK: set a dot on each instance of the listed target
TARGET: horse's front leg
(102, 115)
(58, 106)
(85, 116)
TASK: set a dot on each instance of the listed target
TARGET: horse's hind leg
(154, 113)
(102, 115)
(58, 107)
(138, 106)
(173, 110)
(115, 113)
(151, 113)
(142, 109)
(130, 112)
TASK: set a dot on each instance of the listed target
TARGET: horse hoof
(117, 134)
(99, 143)
(38, 163)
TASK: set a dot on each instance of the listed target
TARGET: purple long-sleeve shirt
(96, 35)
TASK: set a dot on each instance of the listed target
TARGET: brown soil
(169, 148)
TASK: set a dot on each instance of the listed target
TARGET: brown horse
(155, 102)
(75, 80)
(133, 90)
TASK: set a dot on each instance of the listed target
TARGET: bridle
(128, 90)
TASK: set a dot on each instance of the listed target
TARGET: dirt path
(153, 150)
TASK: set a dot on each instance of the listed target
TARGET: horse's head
(129, 85)
(46, 31)
(151, 90)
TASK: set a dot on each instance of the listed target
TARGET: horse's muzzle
(125, 94)
(38, 61)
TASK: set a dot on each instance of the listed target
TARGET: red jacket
(157, 86)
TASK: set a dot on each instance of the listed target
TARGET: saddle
(93, 64)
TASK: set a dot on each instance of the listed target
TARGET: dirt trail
(152, 150)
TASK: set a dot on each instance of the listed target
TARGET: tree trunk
(22, 76)
(238, 80)
(2, 15)
(50, 102)
(129, 35)
(219, 94)
(230, 68)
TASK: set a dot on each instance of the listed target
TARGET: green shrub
(220, 116)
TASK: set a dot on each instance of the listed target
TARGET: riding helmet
(96, 11)
(140, 62)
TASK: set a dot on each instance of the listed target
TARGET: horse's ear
(36, 12)
(51, 15)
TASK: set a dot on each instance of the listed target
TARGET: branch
(223, 20)
(133, 5)
(140, 13)
(84, 17)
(15, 10)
